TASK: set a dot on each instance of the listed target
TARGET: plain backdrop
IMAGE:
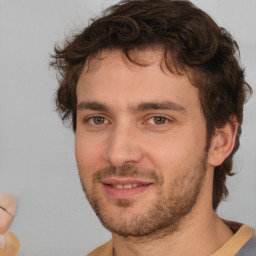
(37, 162)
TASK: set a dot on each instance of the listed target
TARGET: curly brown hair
(187, 34)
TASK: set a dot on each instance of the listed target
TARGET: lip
(124, 193)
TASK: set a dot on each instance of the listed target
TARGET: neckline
(236, 242)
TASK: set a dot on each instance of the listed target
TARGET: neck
(196, 239)
(200, 233)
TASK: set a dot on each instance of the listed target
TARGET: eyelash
(165, 119)
(92, 118)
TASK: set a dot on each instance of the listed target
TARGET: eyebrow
(92, 106)
(144, 106)
(165, 105)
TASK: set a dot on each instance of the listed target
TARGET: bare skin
(201, 234)
(129, 123)
(8, 207)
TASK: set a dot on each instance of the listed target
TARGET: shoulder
(242, 243)
(249, 249)
(103, 250)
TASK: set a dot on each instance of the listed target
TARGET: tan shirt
(243, 234)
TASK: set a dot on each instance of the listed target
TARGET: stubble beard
(164, 215)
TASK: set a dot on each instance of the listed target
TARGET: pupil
(98, 120)
(159, 120)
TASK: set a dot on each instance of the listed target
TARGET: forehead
(141, 57)
(112, 76)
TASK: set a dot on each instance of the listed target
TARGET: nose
(123, 146)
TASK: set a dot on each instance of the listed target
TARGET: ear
(223, 142)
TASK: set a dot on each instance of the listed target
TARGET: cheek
(84, 162)
(88, 156)
(176, 152)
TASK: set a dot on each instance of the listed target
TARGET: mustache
(127, 171)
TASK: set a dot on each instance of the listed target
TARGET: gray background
(37, 162)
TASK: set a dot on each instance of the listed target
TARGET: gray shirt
(249, 249)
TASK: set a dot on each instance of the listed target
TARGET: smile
(126, 186)
(124, 189)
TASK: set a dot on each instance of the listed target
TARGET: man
(156, 96)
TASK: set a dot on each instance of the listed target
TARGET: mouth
(124, 188)
(127, 186)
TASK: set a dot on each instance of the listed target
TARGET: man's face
(140, 144)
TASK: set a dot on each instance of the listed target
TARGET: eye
(158, 120)
(97, 120)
